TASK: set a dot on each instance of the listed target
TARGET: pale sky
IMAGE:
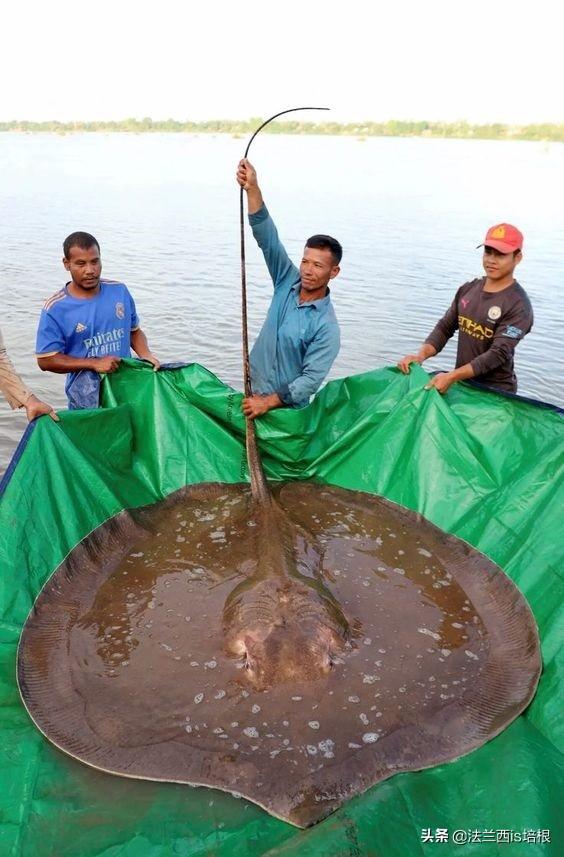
(464, 59)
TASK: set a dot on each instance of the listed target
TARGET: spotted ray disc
(122, 661)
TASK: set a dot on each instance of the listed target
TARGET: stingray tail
(259, 486)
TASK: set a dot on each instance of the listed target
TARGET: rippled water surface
(409, 214)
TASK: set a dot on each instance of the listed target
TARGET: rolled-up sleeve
(279, 265)
(11, 384)
(317, 362)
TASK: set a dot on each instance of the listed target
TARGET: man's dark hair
(325, 242)
(84, 240)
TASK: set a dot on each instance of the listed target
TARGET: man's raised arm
(280, 268)
(247, 179)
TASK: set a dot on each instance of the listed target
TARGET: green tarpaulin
(486, 467)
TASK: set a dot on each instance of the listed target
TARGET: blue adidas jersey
(88, 327)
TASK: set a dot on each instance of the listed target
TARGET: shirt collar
(317, 304)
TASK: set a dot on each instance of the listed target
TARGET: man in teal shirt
(300, 338)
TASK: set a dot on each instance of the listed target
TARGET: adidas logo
(80, 327)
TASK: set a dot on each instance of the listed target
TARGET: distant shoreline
(393, 128)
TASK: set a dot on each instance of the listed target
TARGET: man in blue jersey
(88, 326)
(300, 338)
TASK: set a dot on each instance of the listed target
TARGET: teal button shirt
(298, 342)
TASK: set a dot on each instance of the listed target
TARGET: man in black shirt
(492, 315)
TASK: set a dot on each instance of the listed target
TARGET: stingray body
(295, 656)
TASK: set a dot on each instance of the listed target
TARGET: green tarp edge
(485, 467)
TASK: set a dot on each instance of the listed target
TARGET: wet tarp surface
(485, 467)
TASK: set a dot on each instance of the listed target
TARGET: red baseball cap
(503, 237)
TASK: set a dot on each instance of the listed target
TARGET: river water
(164, 207)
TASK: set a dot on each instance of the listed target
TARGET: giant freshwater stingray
(294, 648)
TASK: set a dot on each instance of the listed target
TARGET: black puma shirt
(490, 325)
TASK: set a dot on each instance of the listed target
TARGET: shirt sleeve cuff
(18, 398)
(432, 340)
(477, 365)
(258, 216)
(285, 394)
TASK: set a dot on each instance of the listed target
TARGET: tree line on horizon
(392, 128)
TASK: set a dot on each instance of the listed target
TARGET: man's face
(499, 265)
(85, 267)
(317, 268)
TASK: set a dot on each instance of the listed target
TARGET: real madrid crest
(494, 313)
(120, 310)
